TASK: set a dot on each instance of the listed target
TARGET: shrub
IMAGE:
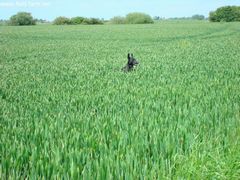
(118, 20)
(62, 21)
(22, 19)
(77, 20)
(225, 14)
(91, 21)
(138, 18)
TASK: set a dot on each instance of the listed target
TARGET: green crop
(68, 111)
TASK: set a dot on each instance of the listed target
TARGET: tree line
(25, 18)
(225, 14)
(222, 14)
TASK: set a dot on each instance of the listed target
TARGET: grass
(68, 111)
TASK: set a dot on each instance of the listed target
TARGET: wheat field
(68, 111)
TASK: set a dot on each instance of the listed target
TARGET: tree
(77, 20)
(225, 14)
(118, 20)
(91, 21)
(156, 18)
(41, 21)
(138, 18)
(22, 19)
(212, 16)
(62, 21)
(198, 17)
(2, 22)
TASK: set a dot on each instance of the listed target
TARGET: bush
(91, 21)
(138, 18)
(22, 19)
(77, 20)
(118, 20)
(225, 14)
(62, 21)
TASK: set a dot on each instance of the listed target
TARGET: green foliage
(198, 17)
(212, 16)
(118, 20)
(2, 22)
(77, 20)
(225, 14)
(22, 19)
(138, 18)
(62, 21)
(68, 112)
(132, 18)
(92, 21)
(41, 21)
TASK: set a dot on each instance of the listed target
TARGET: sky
(50, 9)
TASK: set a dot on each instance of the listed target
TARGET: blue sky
(50, 9)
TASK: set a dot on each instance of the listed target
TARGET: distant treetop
(22, 19)
(133, 18)
(198, 17)
(225, 14)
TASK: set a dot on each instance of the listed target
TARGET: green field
(66, 109)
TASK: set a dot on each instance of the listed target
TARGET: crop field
(68, 111)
